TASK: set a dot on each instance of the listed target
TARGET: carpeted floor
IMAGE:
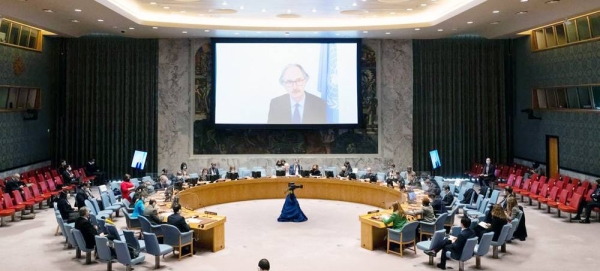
(329, 240)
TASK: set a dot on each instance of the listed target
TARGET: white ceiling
(366, 19)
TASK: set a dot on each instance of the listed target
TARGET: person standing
(126, 187)
(488, 174)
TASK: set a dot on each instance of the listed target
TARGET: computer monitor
(256, 174)
(305, 173)
(435, 159)
(328, 174)
(139, 160)
(352, 176)
(280, 173)
(213, 178)
(233, 176)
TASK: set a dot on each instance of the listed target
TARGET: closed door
(552, 158)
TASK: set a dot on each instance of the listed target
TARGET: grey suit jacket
(280, 110)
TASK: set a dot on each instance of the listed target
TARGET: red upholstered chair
(510, 182)
(562, 199)
(542, 194)
(532, 191)
(8, 203)
(36, 193)
(40, 178)
(551, 197)
(560, 184)
(570, 187)
(585, 185)
(54, 173)
(19, 200)
(534, 177)
(4, 213)
(30, 198)
(519, 172)
(59, 181)
(47, 175)
(572, 207)
(45, 186)
(565, 179)
(31, 180)
(85, 178)
(542, 180)
(518, 183)
(523, 189)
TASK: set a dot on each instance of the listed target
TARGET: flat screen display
(139, 159)
(435, 159)
(287, 82)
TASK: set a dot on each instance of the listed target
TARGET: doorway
(552, 156)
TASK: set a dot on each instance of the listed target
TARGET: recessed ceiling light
(183, 11)
(423, 5)
(337, 8)
(392, 13)
(387, 33)
(224, 3)
(496, 22)
(236, 33)
(316, 32)
(417, 29)
(496, 11)
(288, 11)
(155, 27)
(409, 9)
(354, 4)
(337, 34)
(48, 10)
(314, 10)
(241, 7)
(522, 12)
(524, 0)
(152, 3)
(184, 32)
(469, 22)
(440, 30)
(552, 1)
(77, 10)
(74, 21)
(100, 20)
(454, 29)
(263, 10)
(365, 32)
(166, 7)
(131, 28)
(206, 30)
(258, 32)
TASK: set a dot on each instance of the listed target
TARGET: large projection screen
(286, 83)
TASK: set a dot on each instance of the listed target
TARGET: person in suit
(177, 220)
(392, 176)
(14, 184)
(88, 231)
(343, 173)
(368, 175)
(69, 177)
(213, 170)
(297, 106)
(589, 205)
(488, 173)
(448, 198)
(508, 193)
(295, 168)
(455, 247)
(151, 213)
(91, 169)
(315, 172)
(231, 174)
(348, 166)
(436, 202)
(68, 214)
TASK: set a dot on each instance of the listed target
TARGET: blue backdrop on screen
(208, 140)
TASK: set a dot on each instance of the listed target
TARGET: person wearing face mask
(488, 173)
(138, 208)
(85, 193)
(151, 213)
(69, 177)
(295, 168)
(88, 231)
(392, 176)
(213, 170)
(91, 169)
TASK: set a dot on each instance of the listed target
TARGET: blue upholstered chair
(112, 230)
(173, 237)
(134, 242)
(148, 227)
(127, 206)
(472, 206)
(501, 239)
(483, 247)
(429, 228)
(93, 211)
(132, 223)
(463, 205)
(82, 246)
(494, 197)
(71, 240)
(461, 194)
(155, 249)
(61, 226)
(436, 241)
(450, 218)
(481, 211)
(514, 224)
(406, 235)
(103, 252)
(113, 199)
(124, 257)
(467, 253)
(107, 204)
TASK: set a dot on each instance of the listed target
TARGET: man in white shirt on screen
(297, 106)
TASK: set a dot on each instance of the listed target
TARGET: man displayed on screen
(297, 106)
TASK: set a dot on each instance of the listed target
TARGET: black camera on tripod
(293, 186)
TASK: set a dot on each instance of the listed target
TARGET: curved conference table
(212, 235)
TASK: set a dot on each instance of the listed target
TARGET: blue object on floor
(291, 211)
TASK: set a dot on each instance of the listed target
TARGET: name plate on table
(372, 212)
(209, 213)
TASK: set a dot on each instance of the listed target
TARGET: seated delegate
(495, 224)
(315, 172)
(453, 244)
(398, 217)
(369, 176)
